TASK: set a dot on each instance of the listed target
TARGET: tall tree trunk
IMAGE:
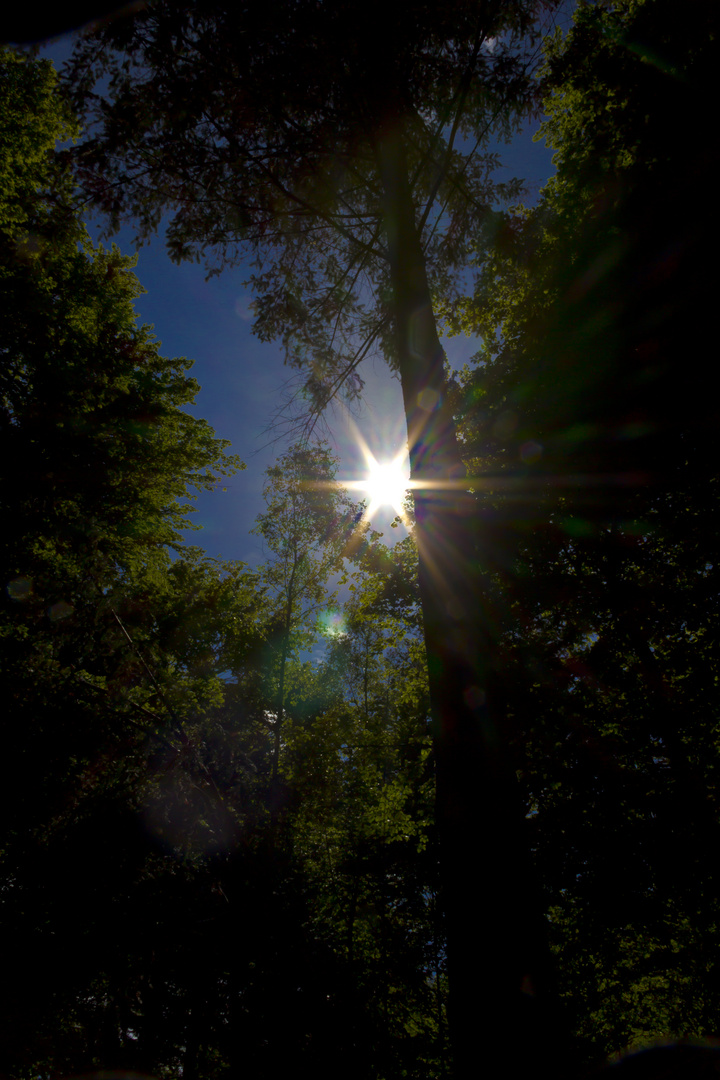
(497, 956)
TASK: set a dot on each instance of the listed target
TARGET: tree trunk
(283, 664)
(497, 955)
(281, 701)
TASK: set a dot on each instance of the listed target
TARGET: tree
(99, 454)
(105, 638)
(360, 759)
(306, 527)
(582, 412)
(302, 135)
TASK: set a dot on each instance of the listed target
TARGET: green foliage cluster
(584, 420)
(215, 856)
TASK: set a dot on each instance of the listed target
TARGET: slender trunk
(365, 682)
(440, 1009)
(190, 1069)
(285, 648)
(281, 701)
(496, 950)
(352, 912)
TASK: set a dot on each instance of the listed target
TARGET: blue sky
(244, 382)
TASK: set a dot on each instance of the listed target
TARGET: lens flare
(332, 623)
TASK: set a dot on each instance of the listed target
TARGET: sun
(385, 484)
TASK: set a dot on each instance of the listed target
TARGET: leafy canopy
(256, 130)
